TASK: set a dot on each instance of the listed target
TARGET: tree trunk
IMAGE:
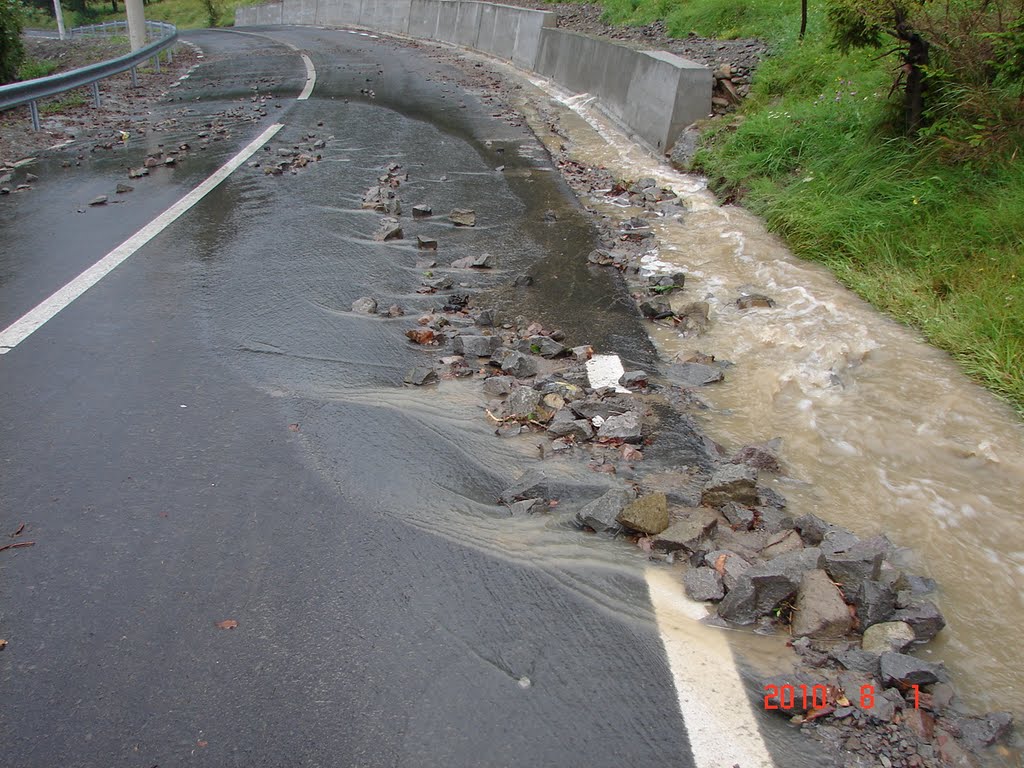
(803, 18)
(915, 58)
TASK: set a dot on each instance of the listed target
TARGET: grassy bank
(184, 14)
(930, 231)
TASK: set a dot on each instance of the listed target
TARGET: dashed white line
(35, 318)
(719, 722)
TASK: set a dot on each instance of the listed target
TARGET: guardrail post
(34, 109)
(156, 63)
(95, 93)
(135, 78)
(170, 55)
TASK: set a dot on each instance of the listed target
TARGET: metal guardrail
(163, 37)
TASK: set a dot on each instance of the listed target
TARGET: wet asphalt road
(145, 442)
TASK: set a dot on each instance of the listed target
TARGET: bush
(11, 50)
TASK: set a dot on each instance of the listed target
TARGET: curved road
(387, 615)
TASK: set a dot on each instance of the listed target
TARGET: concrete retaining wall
(652, 94)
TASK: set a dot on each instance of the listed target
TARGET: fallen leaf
(19, 531)
(420, 335)
(227, 624)
(842, 701)
(18, 545)
(814, 714)
(3, 644)
(202, 743)
(293, 427)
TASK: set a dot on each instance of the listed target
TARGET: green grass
(930, 231)
(30, 69)
(68, 102)
(184, 14)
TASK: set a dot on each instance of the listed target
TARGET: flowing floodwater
(881, 432)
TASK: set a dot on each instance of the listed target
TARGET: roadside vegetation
(886, 144)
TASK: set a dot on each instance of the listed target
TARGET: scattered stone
(483, 261)
(463, 217)
(474, 345)
(123, 189)
(760, 588)
(422, 211)
(365, 305)
(730, 565)
(820, 610)
(852, 568)
(426, 243)
(523, 403)
(601, 257)
(602, 513)
(390, 229)
(980, 732)
(522, 281)
(923, 616)
(648, 514)
(31, 178)
(739, 516)
(498, 385)
(420, 375)
(524, 507)
(689, 532)
(731, 482)
(625, 427)
(695, 374)
(780, 543)
(859, 661)
(761, 456)
(564, 425)
(751, 300)
(900, 668)
(550, 217)
(530, 485)
(656, 310)
(518, 365)
(703, 584)
(99, 200)
(582, 353)
(875, 602)
(544, 346)
(634, 379)
(887, 636)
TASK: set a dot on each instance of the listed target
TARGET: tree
(11, 50)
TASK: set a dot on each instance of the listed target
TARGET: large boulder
(478, 345)
(519, 365)
(781, 543)
(626, 427)
(923, 616)
(688, 532)
(601, 513)
(530, 485)
(875, 603)
(544, 346)
(820, 609)
(731, 482)
(523, 403)
(648, 514)
(564, 425)
(695, 374)
(759, 589)
(730, 564)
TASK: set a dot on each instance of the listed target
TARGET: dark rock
(523, 403)
(875, 603)
(499, 385)
(648, 514)
(518, 365)
(737, 515)
(916, 585)
(463, 217)
(859, 661)
(976, 733)
(703, 584)
(601, 257)
(820, 609)
(530, 485)
(923, 616)
(689, 532)
(365, 305)
(851, 569)
(634, 379)
(442, 283)
(550, 217)
(887, 636)
(626, 427)
(544, 346)
(769, 497)
(601, 513)
(685, 148)
(524, 507)
(99, 200)
(656, 310)
(731, 565)
(760, 588)
(419, 376)
(485, 319)
(522, 281)
(426, 243)
(899, 668)
(422, 211)
(475, 345)
(762, 456)
(732, 482)
(772, 520)
(564, 425)
(695, 374)
(605, 407)
(390, 229)
(751, 300)
(483, 261)
(780, 543)
(123, 189)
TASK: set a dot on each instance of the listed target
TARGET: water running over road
(881, 432)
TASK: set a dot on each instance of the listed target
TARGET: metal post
(170, 55)
(60, 18)
(156, 63)
(95, 93)
(135, 78)
(34, 109)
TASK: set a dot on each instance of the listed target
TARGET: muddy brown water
(881, 432)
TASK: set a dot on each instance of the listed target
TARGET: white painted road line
(712, 698)
(35, 318)
(310, 78)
